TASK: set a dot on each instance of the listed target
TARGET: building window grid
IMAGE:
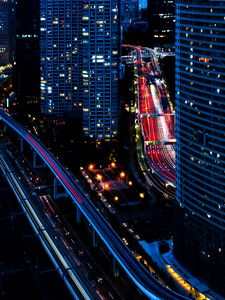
(199, 46)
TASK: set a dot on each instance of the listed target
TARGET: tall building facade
(129, 12)
(4, 32)
(59, 52)
(100, 67)
(200, 128)
(80, 42)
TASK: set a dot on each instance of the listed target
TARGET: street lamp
(91, 167)
(106, 186)
(99, 177)
(122, 174)
(142, 195)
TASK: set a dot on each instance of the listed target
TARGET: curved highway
(149, 286)
(155, 114)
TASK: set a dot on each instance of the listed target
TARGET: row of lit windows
(200, 88)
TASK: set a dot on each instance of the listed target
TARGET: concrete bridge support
(21, 145)
(95, 238)
(37, 161)
(56, 193)
(115, 267)
(78, 215)
(4, 127)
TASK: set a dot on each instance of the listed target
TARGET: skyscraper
(80, 42)
(59, 43)
(4, 32)
(129, 12)
(200, 127)
(100, 67)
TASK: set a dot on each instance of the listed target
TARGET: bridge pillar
(4, 127)
(37, 164)
(95, 238)
(21, 145)
(57, 194)
(115, 268)
(78, 215)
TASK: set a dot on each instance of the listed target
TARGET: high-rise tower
(100, 67)
(4, 32)
(80, 42)
(200, 128)
(129, 12)
(59, 43)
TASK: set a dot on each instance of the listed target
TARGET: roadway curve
(149, 286)
(155, 114)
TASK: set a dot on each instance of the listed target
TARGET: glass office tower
(129, 12)
(80, 44)
(59, 41)
(100, 67)
(4, 32)
(200, 133)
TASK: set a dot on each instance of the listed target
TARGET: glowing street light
(122, 174)
(142, 195)
(99, 177)
(113, 165)
(130, 183)
(106, 186)
(116, 198)
(91, 167)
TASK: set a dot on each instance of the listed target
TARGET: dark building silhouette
(161, 22)
(200, 128)
(27, 69)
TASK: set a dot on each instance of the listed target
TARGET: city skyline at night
(112, 149)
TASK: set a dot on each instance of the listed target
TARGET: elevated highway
(140, 276)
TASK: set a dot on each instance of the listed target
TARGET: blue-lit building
(59, 51)
(200, 134)
(100, 68)
(129, 12)
(142, 4)
(80, 48)
(4, 32)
